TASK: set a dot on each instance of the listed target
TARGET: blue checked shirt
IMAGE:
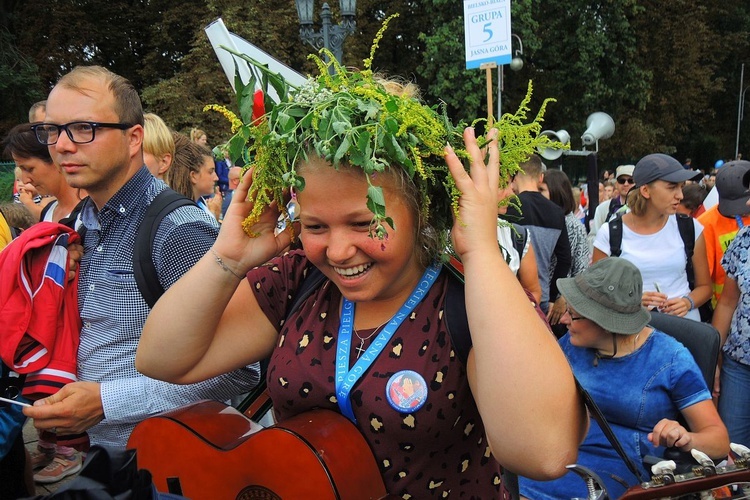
(113, 311)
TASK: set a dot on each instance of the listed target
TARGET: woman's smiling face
(335, 233)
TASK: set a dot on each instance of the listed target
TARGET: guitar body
(217, 453)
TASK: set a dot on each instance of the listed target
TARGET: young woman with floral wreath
(515, 396)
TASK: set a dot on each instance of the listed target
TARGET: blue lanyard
(345, 378)
(739, 221)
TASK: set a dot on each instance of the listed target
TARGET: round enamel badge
(406, 391)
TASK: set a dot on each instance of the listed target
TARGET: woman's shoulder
(668, 347)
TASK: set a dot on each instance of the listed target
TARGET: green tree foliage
(667, 72)
(19, 83)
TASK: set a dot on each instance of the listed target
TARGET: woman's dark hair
(560, 190)
(21, 141)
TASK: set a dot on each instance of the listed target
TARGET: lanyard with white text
(739, 221)
(345, 378)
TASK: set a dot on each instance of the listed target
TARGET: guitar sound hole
(254, 492)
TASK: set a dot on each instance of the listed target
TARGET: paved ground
(30, 438)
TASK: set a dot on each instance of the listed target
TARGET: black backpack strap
(455, 310)
(72, 219)
(310, 283)
(520, 236)
(46, 209)
(615, 236)
(612, 209)
(687, 233)
(143, 263)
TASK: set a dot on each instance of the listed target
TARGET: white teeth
(352, 271)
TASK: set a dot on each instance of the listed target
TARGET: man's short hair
(32, 110)
(532, 167)
(127, 102)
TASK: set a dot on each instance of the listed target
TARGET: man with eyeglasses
(94, 131)
(607, 210)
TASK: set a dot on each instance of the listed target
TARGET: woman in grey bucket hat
(642, 380)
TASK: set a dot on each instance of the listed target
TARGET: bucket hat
(733, 194)
(609, 294)
(663, 167)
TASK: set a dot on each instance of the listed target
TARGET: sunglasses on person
(625, 180)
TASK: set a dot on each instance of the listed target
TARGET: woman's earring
(292, 208)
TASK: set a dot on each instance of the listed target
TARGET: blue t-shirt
(735, 262)
(634, 392)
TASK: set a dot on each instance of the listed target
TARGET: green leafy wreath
(349, 117)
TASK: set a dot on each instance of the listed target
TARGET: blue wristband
(692, 304)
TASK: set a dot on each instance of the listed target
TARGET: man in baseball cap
(661, 167)
(607, 210)
(722, 222)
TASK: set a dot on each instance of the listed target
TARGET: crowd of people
(91, 161)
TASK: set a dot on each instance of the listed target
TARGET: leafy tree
(20, 85)
(667, 72)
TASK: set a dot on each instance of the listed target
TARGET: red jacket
(40, 324)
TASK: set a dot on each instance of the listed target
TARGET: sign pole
(488, 43)
(488, 67)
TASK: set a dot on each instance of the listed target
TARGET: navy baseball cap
(733, 193)
(658, 166)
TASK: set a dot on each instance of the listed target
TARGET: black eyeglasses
(573, 318)
(625, 180)
(78, 132)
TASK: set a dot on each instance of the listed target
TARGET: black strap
(597, 415)
(520, 236)
(687, 233)
(615, 236)
(46, 209)
(455, 311)
(143, 263)
(71, 219)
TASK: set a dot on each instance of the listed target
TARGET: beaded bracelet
(690, 299)
(224, 266)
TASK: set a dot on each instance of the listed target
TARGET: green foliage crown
(350, 117)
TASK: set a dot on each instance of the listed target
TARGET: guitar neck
(692, 482)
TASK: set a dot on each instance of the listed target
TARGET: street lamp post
(331, 36)
(740, 110)
(515, 64)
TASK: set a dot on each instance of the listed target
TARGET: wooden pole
(488, 67)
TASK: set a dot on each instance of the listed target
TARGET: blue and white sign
(487, 29)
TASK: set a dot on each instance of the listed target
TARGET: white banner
(487, 32)
(219, 35)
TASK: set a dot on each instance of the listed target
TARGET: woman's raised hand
(476, 226)
(240, 251)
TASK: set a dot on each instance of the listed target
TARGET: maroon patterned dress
(440, 450)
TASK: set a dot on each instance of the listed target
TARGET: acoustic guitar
(208, 450)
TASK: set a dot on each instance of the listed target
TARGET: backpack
(687, 233)
(143, 263)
